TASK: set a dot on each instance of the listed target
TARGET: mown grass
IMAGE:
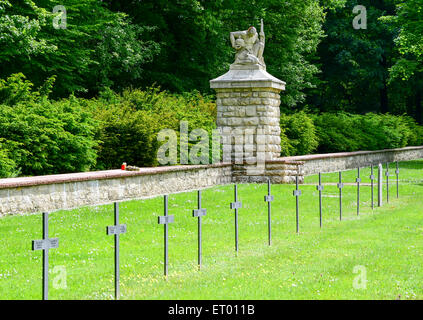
(315, 264)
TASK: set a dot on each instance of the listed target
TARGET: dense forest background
(150, 55)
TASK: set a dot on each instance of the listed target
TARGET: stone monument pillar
(248, 100)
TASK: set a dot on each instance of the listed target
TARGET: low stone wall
(68, 191)
(351, 160)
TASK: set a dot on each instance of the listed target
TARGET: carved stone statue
(249, 46)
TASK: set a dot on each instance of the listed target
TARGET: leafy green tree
(407, 71)
(96, 48)
(195, 47)
(39, 136)
(355, 62)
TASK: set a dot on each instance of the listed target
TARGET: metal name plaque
(358, 180)
(387, 173)
(199, 212)
(269, 198)
(340, 185)
(52, 243)
(236, 205)
(166, 219)
(297, 193)
(113, 230)
(397, 171)
(320, 188)
(372, 177)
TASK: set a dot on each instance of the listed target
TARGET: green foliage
(409, 40)
(39, 136)
(98, 47)
(298, 134)
(194, 37)
(347, 132)
(129, 123)
(7, 164)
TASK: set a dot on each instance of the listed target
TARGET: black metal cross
(387, 182)
(297, 193)
(372, 179)
(358, 180)
(200, 212)
(165, 220)
(45, 244)
(397, 173)
(269, 198)
(320, 188)
(340, 186)
(235, 206)
(116, 231)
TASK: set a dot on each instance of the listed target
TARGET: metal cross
(116, 231)
(320, 188)
(200, 212)
(297, 194)
(358, 180)
(372, 179)
(397, 173)
(340, 186)
(269, 198)
(165, 220)
(235, 206)
(387, 182)
(45, 244)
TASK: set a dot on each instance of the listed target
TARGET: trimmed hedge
(348, 132)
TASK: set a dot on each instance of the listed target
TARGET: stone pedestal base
(248, 116)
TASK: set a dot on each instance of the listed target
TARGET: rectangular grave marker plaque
(116, 231)
(45, 245)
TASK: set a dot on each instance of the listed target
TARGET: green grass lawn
(315, 264)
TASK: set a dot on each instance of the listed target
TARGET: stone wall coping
(345, 154)
(98, 175)
(285, 161)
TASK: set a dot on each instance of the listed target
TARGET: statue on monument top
(249, 46)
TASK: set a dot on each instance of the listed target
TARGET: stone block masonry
(332, 162)
(68, 191)
(242, 109)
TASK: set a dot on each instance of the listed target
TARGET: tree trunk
(419, 110)
(384, 104)
(384, 107)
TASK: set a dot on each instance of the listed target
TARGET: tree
(355, 62)
(96, 48)
(408, 67)
(194, 37)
